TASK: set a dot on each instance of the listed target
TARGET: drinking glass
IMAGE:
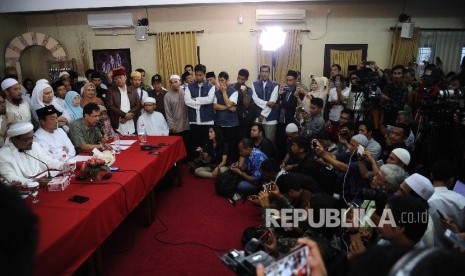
(33, 188)
(142, 137)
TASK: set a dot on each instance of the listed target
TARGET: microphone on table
(48, 170)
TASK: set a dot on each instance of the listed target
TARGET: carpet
(191, 214)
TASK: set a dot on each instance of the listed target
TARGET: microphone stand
(49, 176)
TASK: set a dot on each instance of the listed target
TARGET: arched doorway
(18, 44)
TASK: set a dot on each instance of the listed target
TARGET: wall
(227, 45)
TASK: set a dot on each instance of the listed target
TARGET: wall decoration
(109, 59)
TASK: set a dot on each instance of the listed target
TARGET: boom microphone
(48, 170)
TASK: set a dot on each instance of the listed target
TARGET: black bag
(226, 183)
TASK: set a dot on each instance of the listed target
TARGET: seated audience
(52, 138)
(214, 155)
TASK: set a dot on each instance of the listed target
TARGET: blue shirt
(253, 162)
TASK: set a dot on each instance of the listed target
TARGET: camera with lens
(245, 262)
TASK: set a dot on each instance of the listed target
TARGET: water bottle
(117, 144)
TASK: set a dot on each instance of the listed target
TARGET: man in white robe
(53, 139)
(152, 121)
(19, 158)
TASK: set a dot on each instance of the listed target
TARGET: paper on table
(125, 142)
(79, 158)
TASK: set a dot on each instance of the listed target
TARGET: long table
(70, 232)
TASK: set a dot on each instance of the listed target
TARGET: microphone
(100, 128)
(48, 170)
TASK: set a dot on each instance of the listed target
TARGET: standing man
(199, 99)
(158, 93)
(226, 114)
(176, 112)
(265, 95)
(5, 120)
(136, 83)
(287, 105)
(52, 138)
(14, 101)
(245, 107)
(123, 104)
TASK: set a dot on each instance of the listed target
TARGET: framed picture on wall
(106, 60)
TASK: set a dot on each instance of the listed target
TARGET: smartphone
(114, 169)
(454, 239)
(296, 261)
(360, 150)
(78, 198)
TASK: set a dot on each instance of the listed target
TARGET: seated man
(250, 171)
(151, 121)
(19, 158)
(85, 133)
(52, 138)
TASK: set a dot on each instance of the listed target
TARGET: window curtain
(446, 45)
(174, 51)
(404, 50)
(288, 57)
(346, 58)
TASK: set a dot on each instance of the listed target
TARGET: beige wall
(227, 45)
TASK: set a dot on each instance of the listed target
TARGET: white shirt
(128, 127)
(335, 111)
(54, 143)
(451, 205)
(17, 166)
(266, 110)
(22, 112)
(154, 124)
(198, 102)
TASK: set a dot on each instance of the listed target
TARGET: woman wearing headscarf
(89, 95)
(42, 96)
(73, 105)
(317, 90)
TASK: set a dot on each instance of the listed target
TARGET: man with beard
(14, 101)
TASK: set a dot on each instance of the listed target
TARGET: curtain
(346, 58)
(288, 57)
(446, 45)
(174, 51)
(404, 50)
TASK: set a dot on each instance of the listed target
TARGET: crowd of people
(367, 142)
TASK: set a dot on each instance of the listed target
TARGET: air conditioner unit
(110, 20)
(284, 16)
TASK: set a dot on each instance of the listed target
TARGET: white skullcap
(361, 139)
(7, 83)
(62, 74)
(42, 81)
(149, 100)
(292, 128)
(421, 185)
(403, 155)
(174, 77)
(19, 129)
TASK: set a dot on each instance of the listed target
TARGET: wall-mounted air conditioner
(284, 16)
(110, 20)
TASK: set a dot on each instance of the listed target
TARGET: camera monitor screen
(293, 264)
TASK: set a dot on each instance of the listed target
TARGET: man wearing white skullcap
(19, 158)
(14, 101)
(151, 121)
(421, 187)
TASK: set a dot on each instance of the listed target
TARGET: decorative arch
(19, 43)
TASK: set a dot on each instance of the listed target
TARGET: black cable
(182, 243)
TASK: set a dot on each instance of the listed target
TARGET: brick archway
(19, 43)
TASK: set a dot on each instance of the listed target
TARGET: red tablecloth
(70, 232)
